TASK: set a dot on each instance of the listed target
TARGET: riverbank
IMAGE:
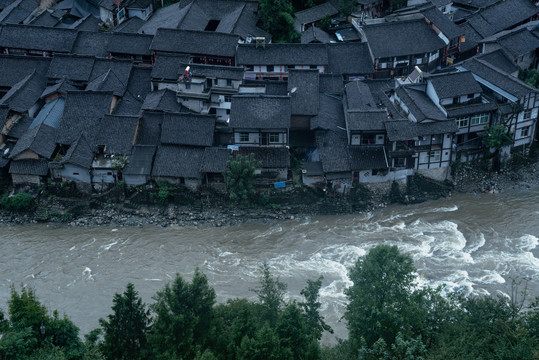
(63, 206)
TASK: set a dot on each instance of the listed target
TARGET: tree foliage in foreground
(239, 177)
(277, 19)
(388, 319)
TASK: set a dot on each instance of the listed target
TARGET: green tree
(530, 77)
(347, 7)
(485, 328)
(264, 346)
(270, 295)
(32, 333)
(239, 177)
(277, 19)
(294, 335)
(125, 330)
(183, 323)
(495, 137)
(311, 307)
(379, 299)
(236, 319)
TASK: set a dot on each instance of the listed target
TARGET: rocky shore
(209, 209)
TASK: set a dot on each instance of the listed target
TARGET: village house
(179, 156)
(204, 47)
(208, 89)
(272, 61)
(395, 50)
(237, 17)
(310, 17)
(263, 121)
(520, 44)
(518, 102)
(115, 12)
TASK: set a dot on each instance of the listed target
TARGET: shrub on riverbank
(17, 202)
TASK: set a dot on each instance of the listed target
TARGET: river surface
(470, 243)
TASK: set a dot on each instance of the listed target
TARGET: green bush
(17, 202)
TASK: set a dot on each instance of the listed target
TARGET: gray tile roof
(138, 86)
(359, 97)
(499, 59)
(419, 104)
(4, 110)
(398, 38)
(162, 100)
(213, 71)
(315, 13)
(333, 148)
(472, 37)
(167, 17)
(407, 130)
(37, 167)
(87, 23)
(303, 89)
(270, 157)
(110, 75)
(50, 114)
(314, 34)
(79, 153)
(117, 133)
(20, 67)
(352, 58)
(18, 11)
(166, 66)
(20, 127)
(72, 67)
(450, 85)
(194, 42)
(368, 157)
(178, 162)
(442, 22)
(82, 112)
(501, 16)
(380, 90)
(39, 140)
(149, 132)
(471, 109)
(366, 120)
(260, 112)
(331, 84)
(62, 86)
(497, 77)
(215, 160)
(188, 129)
(519, 43)
(91, 43)
(132, 25)
(272, 87)
(45, 19)
(31, 38)
(25, 94)
(312, 168)
(330, 116)
(141, 160)
(129, 44)
(234, 17)
(282, 54)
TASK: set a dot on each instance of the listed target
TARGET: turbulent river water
(470, 243)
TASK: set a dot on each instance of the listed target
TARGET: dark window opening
(212, 25)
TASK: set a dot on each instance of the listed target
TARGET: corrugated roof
(50, 114)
